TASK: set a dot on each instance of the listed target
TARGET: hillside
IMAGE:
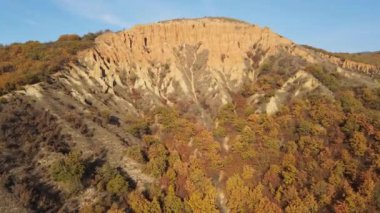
(32, 62)
(193, 115)
(372, 58)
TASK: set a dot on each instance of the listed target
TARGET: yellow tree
(172, 203)
(358, 143)
(138, 203)
(202, 202)
(259, 203)
(237, 194)
(202, 192)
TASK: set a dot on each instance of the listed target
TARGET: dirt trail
(221, 201)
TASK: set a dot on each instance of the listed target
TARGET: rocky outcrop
(351, 65)
(196, 63)
(226, 41)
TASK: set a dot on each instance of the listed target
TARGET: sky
(333, 25)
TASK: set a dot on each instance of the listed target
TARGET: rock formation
(352, 65)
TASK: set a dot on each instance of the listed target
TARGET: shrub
(157, 166)
(249, 110)
(305, 128)
(219, 132)
(150, 140)
(117, 185)
(139, 129)
(167, 117)
(105, 173)
(112, 180)
(369, 97)
(248, 90)
(247, 135)
(272, 143)
(323, 75)
(226, 114)
(158, 160)
(69, 170)
(136, 153)
(349, 102)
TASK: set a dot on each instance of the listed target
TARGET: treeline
(32, 62)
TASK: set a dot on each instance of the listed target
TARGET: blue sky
(334, 25)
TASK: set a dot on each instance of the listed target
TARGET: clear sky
(334, 25)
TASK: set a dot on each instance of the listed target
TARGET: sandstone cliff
(198, 62)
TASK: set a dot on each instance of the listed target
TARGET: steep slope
(197, 86)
